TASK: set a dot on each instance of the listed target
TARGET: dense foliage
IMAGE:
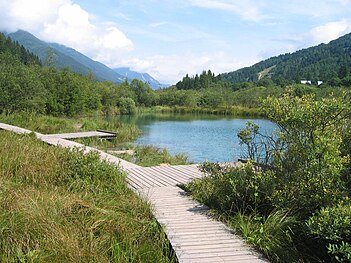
(205, 80)
(299, 177)
(330, 63)
(17, 50)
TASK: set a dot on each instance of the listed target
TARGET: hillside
(145, 77)
(65, 57)
(17, 50)
(40, 48)
(324, 62)
(100, 71)
(79, 63)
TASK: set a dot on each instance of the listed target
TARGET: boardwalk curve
(194, 236)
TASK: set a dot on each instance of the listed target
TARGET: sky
(171, 38)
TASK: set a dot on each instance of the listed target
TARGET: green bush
(233, 190)
(332, 225)
(305, 153)
(127, 106)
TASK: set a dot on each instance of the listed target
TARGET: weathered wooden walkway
(194, 236)
(78, 135)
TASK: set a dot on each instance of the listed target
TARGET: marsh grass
(49, 124)
(234, 195)
(231, 111)
(153, 156)
(273, 235)
(62, 206)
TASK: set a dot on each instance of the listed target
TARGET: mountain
(145, 77)
(19, 51)
(77, 62)
(100, 71)
(66, 57)
(323, 62)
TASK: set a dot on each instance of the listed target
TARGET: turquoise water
(200, 137)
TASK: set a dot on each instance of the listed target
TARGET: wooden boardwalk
(194, 236)
(78, 135)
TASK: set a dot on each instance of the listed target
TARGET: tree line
(27, 84)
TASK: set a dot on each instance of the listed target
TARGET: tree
(127, 106)
(306, 152)
(145, 95)
(50, 60)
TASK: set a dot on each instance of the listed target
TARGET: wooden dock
(193, 234)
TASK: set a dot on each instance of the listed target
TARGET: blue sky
(169, 39)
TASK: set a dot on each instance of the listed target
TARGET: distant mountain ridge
(77, 62)
(40, 48)
(322, 62)
(145, 77)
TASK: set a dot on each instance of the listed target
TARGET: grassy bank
(126, 133)
(49, 124)
(62, 206)
(152, 156)
(232, 111)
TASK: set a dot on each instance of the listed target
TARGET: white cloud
(247, 9)
(64, 22)
(157, 24)
(330, 31)
(28, 15)
(170, 69)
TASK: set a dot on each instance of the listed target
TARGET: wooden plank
(149, 182)
(191, 171)
(78, 135)
(173, 180)
(152, 179)
(137, 182)
(156, 173)
(7, 127)
(204, 241)
(182, 177)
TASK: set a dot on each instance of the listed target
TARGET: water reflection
(202, 137)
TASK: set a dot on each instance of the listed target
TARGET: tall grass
(63, 206)
(232, 110)
(49, 124)
(153, 156)
(236, 196)
(272, 234)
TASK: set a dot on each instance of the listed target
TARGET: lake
(201, 137)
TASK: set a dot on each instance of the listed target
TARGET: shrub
(127, 106)
(332, 225)
(305, 154)
(232, 190)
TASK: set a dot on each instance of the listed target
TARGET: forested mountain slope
(327, 62)
(65, 57)
(17, 50)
